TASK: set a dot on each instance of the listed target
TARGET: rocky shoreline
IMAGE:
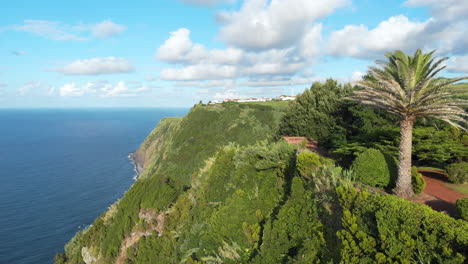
(137, 164)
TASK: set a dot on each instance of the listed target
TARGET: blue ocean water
(60, 169)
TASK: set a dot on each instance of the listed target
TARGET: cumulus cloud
(107, 28)
(265, 39)
(104, 89)
(445, 31)
(60, 31)
(397, 32)
(263, 24)
(201, 63)
(97, 66)
(458, 64)
(179, 48)
(443, 9)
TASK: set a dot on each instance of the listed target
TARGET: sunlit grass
(461, 188)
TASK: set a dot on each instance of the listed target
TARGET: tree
(315, 113)
(406, 86)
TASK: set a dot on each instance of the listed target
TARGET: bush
(387, 229)
(417, 180)
(374, 168)
(462, 208)
(306, 162)
(458, 172)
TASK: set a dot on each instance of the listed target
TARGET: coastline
(137, 164)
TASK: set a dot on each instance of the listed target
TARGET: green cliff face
(217, 188)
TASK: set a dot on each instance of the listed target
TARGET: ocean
(60, 169)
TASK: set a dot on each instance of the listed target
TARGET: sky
(174, 53)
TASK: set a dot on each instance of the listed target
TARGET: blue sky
(161, 53)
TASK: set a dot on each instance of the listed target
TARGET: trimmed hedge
(458, 172)
(417, 180)
(462, 208)
(372, 167)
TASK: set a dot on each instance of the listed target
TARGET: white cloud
(356, 76)
(71, 90)
(50, 29)
(443, 9)
(458, 64)
(445, 31)
(60, 31)
(199, 72)
(179, 48)
(105, 89)
(28, 86)
(228, 93)
(208, 2)
(358, 41)
(107, 28)
(3, 85)
(200, 63)
(263, 24)
(264, 39)
(97, 66)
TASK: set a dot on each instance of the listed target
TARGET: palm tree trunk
(404, 188)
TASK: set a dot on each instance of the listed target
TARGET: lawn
(434, 169)
(461, 188)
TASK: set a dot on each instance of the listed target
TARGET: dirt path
(437, 195)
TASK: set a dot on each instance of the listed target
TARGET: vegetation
(417, 180)
(458, 172)
(462, 208)
(405, 86)
(374, 168)
(307, 162)
(315, 114)
(219, 187)
(461, 188)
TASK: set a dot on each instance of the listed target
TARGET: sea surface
(60, 169)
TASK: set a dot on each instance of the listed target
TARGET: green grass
(432, 169)
(461, 188)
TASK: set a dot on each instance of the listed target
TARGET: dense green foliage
(348, 128)
(314, 114)
(306, 162)
(457, 172)
(417, 180)
(462, 208)
(374, 168)
(387, 229)
(220, 190)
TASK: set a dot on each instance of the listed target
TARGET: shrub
(374, 168)
(458, 172)
(307, 161)
(462, 208)
(417, 180)
(387, 229)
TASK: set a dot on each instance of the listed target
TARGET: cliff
(218, 188)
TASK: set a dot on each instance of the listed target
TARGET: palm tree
(406, 87)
